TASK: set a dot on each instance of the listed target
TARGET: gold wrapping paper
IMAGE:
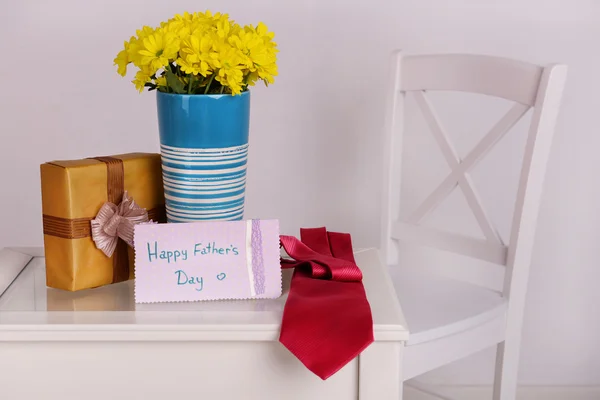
(72, 194)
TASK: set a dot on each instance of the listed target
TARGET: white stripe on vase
(168, 156)
(204, 201)
(226, 153)
(211, 192)
(207, 150)
(205, 208)
(205, 163)
(203, 172)
(223, 183)
(177, 219)
(206, 214)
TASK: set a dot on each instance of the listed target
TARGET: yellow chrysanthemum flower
(142, 77)
(195, 55)
(228, 60)
(185, 17)
(173, 26)
(223, 27)
(161, 81)
(145, 32)
(260, 52)
(158, 49)
(122, 59)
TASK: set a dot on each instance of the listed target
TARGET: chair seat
(436, 307)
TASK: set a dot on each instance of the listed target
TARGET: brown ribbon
(81, 227)
(115, 186)
(115, 176)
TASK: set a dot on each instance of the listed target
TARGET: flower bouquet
(200, 53)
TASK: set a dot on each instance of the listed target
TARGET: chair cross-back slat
(523, 83)
(444, 189)
(459, 172)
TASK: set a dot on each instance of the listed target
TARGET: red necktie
(327, 319)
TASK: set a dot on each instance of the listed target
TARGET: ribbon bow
(114, 222)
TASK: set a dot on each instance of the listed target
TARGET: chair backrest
(528, 86)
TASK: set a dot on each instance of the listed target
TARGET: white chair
(450, 319)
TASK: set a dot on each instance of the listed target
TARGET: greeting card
(207, 261)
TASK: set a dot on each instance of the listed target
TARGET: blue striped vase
(204, 149)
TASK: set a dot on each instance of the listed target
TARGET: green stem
(167, 82)
(190, 84)
(212, 77)
(222, 88)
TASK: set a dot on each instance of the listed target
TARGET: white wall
(315, 134)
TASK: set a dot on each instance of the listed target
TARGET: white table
(99, 344)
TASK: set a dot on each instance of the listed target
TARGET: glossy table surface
(31, 311)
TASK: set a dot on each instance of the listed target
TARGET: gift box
(73, 192)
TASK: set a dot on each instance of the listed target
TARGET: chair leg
(507, 369)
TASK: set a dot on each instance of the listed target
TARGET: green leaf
(174, 83)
